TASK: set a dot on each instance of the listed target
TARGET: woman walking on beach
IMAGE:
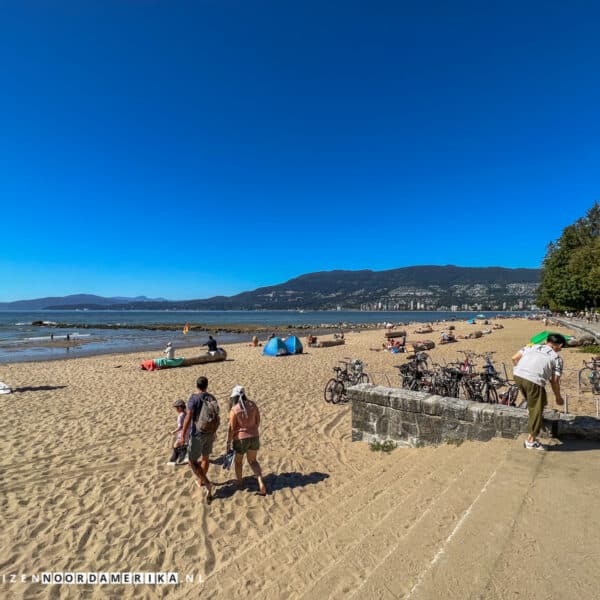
(243, 435)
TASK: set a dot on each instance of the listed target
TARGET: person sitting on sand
(212, 345)
(254, 341)
(399, 346)
(243, 436)
(170, 351)
(201, 420)
(446, 337)
(180, 445)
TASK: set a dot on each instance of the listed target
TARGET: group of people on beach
(197, 426)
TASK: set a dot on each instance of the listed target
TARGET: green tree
(571, 268)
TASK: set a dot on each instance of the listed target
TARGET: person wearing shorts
(243, 436)
(201, 443)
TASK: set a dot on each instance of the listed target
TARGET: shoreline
(25, 350)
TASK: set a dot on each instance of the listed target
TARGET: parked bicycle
(589, 376)
(482, 386)
(352, 373)
(414, 372)
(459, 379)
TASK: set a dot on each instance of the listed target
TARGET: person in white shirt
(170, 351)
(535, 366)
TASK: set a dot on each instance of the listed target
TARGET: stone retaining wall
(419, 418)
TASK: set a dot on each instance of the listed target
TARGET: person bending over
(535, 366)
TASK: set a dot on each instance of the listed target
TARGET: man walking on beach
(203, 418)
(534, 367)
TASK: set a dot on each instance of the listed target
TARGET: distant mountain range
(408, 288)
(74, 301)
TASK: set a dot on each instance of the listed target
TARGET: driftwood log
(474, 335)
(327, 343)
(395, 334)
(423, 345)
(204, 358)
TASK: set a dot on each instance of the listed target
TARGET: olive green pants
(536, 400)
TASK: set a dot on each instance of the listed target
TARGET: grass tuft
(386, 446)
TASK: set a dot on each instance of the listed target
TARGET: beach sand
(84, 487)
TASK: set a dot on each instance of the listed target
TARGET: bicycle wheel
(584, 378)
(472, 391)
(464, 391)
(595, 382)
(339, 393)
(407, 382)
(513, 392)
(329, 390)
(490, 394)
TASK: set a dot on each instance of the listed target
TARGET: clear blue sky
(188, 149)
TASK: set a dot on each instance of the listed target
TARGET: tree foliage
(571, 267)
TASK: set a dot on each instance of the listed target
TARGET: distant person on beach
(271, 337)
(535, 366)
(243, 436)
(202, 421)
(212, 344)
(447, 337)
(180, 445)
(254, 341)
(399, 346)
(170, 351)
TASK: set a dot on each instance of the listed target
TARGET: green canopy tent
(540, 338)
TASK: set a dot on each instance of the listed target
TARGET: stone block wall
(419, 418)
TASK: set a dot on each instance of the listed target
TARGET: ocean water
(22, 341)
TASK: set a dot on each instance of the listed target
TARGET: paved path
(487, 521)
(581, 325)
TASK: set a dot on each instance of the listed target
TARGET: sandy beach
(84, 487)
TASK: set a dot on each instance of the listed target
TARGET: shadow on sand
(574, 445)
(272, 481)
(39, 388)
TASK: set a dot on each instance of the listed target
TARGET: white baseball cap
(238, 390)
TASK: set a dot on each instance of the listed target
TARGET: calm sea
(19, 339)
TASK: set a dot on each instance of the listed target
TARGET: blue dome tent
(275, 347)
(294, 345)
